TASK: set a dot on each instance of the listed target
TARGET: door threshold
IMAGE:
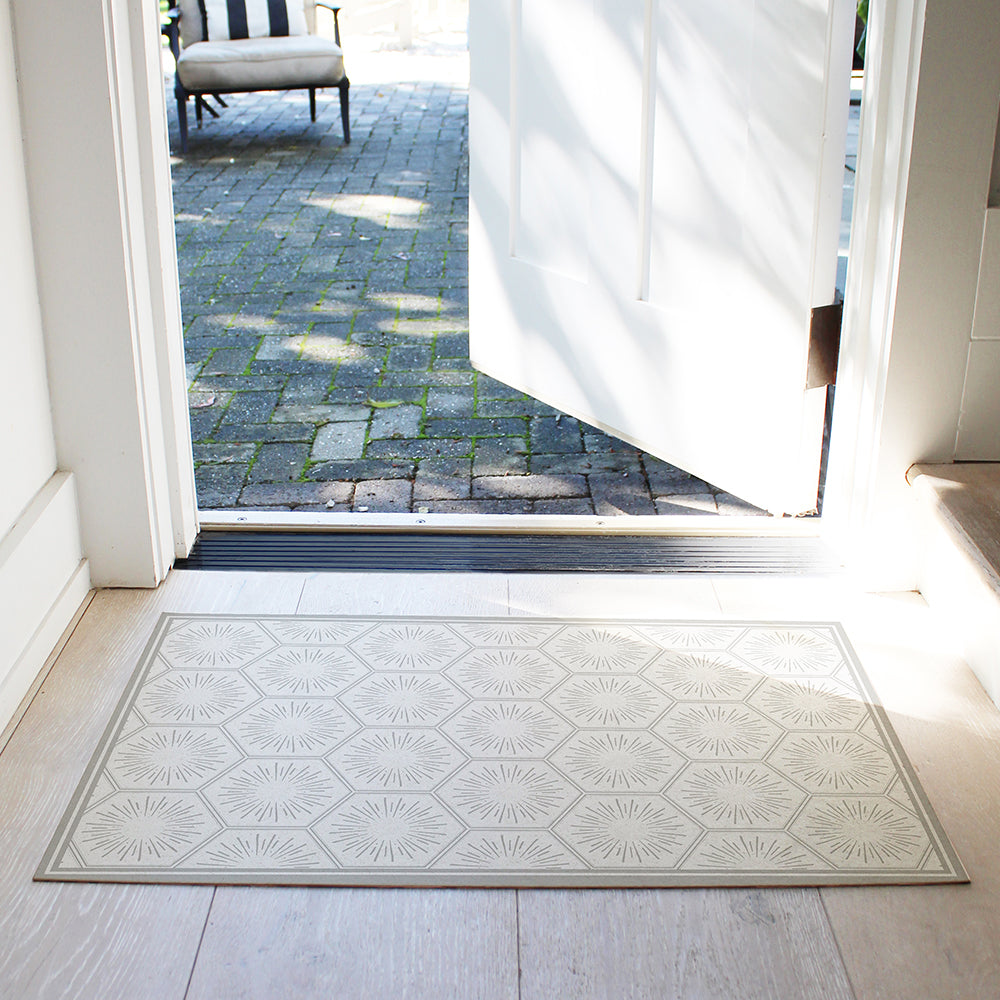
(289, 550)
(289, 541)
(666, 525)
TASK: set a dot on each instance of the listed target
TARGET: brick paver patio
(325, 302)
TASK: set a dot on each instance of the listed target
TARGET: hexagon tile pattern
(406, 751)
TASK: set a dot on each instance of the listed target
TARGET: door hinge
(824, 345)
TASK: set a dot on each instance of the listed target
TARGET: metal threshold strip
(286, 549)
(689, 525)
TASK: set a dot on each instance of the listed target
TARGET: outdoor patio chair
(240, 46)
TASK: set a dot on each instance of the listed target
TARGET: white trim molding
(161, 250)
(43, 580)
(99, 190)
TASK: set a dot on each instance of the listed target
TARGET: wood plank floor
(152, 942)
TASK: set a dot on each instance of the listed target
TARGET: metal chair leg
(345, 86)
(182, 115)
(203, 105)
(312, 103)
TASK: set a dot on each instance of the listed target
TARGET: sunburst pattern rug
(498, 751)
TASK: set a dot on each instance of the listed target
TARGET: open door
(655, 201)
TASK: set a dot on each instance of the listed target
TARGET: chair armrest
(171, 29)
(336, 18)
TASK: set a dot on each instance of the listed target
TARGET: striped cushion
(225, 19)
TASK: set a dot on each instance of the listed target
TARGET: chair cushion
(225, 19)
(261, 64)
(193, 21)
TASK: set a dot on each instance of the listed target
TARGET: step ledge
(965, 497)
(960, 565)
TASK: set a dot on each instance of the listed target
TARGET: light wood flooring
(138, 942)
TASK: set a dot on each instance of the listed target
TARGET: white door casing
(655, 199)
(102, 221)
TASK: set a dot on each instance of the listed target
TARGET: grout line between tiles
(517, 937)
(836, 943)
(201, 938)
(302, 593)
(716, 594)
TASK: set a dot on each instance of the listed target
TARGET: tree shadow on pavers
(259, 123)
(325, 302)
(303, 322)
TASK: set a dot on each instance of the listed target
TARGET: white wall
(26, 442)
(41, 577)
(979, 424)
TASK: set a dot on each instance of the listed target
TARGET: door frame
(93, 116)
(896, 339)
(928, 131)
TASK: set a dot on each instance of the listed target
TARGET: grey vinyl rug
(498, 752)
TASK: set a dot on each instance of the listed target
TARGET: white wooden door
(655, 201)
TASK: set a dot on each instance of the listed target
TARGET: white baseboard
(43, 581)
(30, 671)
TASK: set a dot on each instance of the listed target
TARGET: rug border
(905, 767)
(941, 842)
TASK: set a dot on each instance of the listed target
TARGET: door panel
(699, 174)
(655, 191)
(549, 229)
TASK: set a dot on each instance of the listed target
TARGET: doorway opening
(325, 303)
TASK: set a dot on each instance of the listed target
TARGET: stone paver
(401, 421)
(534, 487)
(325, 301)
(328, 495)
(442, 479)
(384, 495)
(620, 493)
(345, 440)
